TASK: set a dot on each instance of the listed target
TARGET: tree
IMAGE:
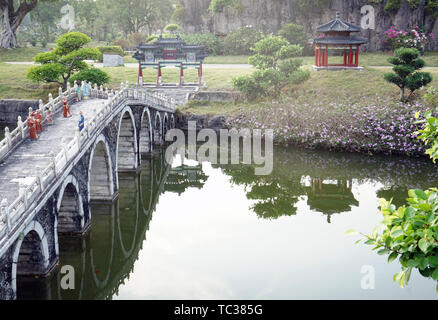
(276, 67)
(406, 63)
(61, 63)
(134, 16)
(271, 50)
(12, 17)
(44, 18)
(294, 33)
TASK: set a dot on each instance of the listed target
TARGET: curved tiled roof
(340, 40)
(338, 25)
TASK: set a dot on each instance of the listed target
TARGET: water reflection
(104, 258)
(327, 179)
(198, 249)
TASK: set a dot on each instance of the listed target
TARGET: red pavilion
(338, 41)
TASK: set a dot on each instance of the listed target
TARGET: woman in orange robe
(32, 128)
(38, 121)
(66, 108)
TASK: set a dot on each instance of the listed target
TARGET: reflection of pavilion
(184, 176)
(330, 198)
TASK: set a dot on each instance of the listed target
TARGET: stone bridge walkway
(31, 157)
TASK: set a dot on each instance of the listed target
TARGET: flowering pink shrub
(413, 38)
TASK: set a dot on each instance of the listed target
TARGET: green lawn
(14, 85)
(323, 88)
(376, 59)
(21, 54)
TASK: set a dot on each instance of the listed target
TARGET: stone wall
(271, 15)
(112, 60)
(218, 96)
(11, 109)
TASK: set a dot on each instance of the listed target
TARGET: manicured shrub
(110, 50)
(295, 34)
(92, 76)
(248, 86)
(406, 63)
(276, 67)
(172, 27)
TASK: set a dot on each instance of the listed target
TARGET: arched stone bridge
(46, 186)
(104, 258)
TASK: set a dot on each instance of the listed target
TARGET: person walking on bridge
(66, 110)
(81, 123)
(85, 89)
(33, 135)
(78, 91)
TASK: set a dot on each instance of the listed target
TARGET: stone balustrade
(10, 215)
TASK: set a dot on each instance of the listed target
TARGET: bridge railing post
(78, 138)
(8, 137)
(60, 92)
(41, 109)
(41, 183)
(23, 194)
(53, 160)
(20, 127)
(5, 216)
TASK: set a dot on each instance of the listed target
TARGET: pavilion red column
(200, 74)
(350, 56)
(181, 75)
(159, 75)
(326, 56)
(356, 61)
(321, 57)
(140, 74)
(316, 56)
(345, 58)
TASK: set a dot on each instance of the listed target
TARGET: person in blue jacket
(81, 123)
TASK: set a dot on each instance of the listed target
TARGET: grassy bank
(345, 110)
(14, 85)
(366, 59)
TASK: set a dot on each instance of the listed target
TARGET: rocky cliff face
(271, 15)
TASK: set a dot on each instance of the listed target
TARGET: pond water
(202, 231)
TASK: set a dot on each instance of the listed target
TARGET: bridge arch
(146, 145)
(127, 142)
(172, 122)
(100, 172)
(31, 253)
(165, 125)
(70, 207)
(158, 130)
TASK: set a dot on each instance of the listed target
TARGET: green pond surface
(202, 231)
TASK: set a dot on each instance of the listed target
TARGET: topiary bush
(295, 34)
(110, 50)
(406, 62)
(276, 67)
(92, 76)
